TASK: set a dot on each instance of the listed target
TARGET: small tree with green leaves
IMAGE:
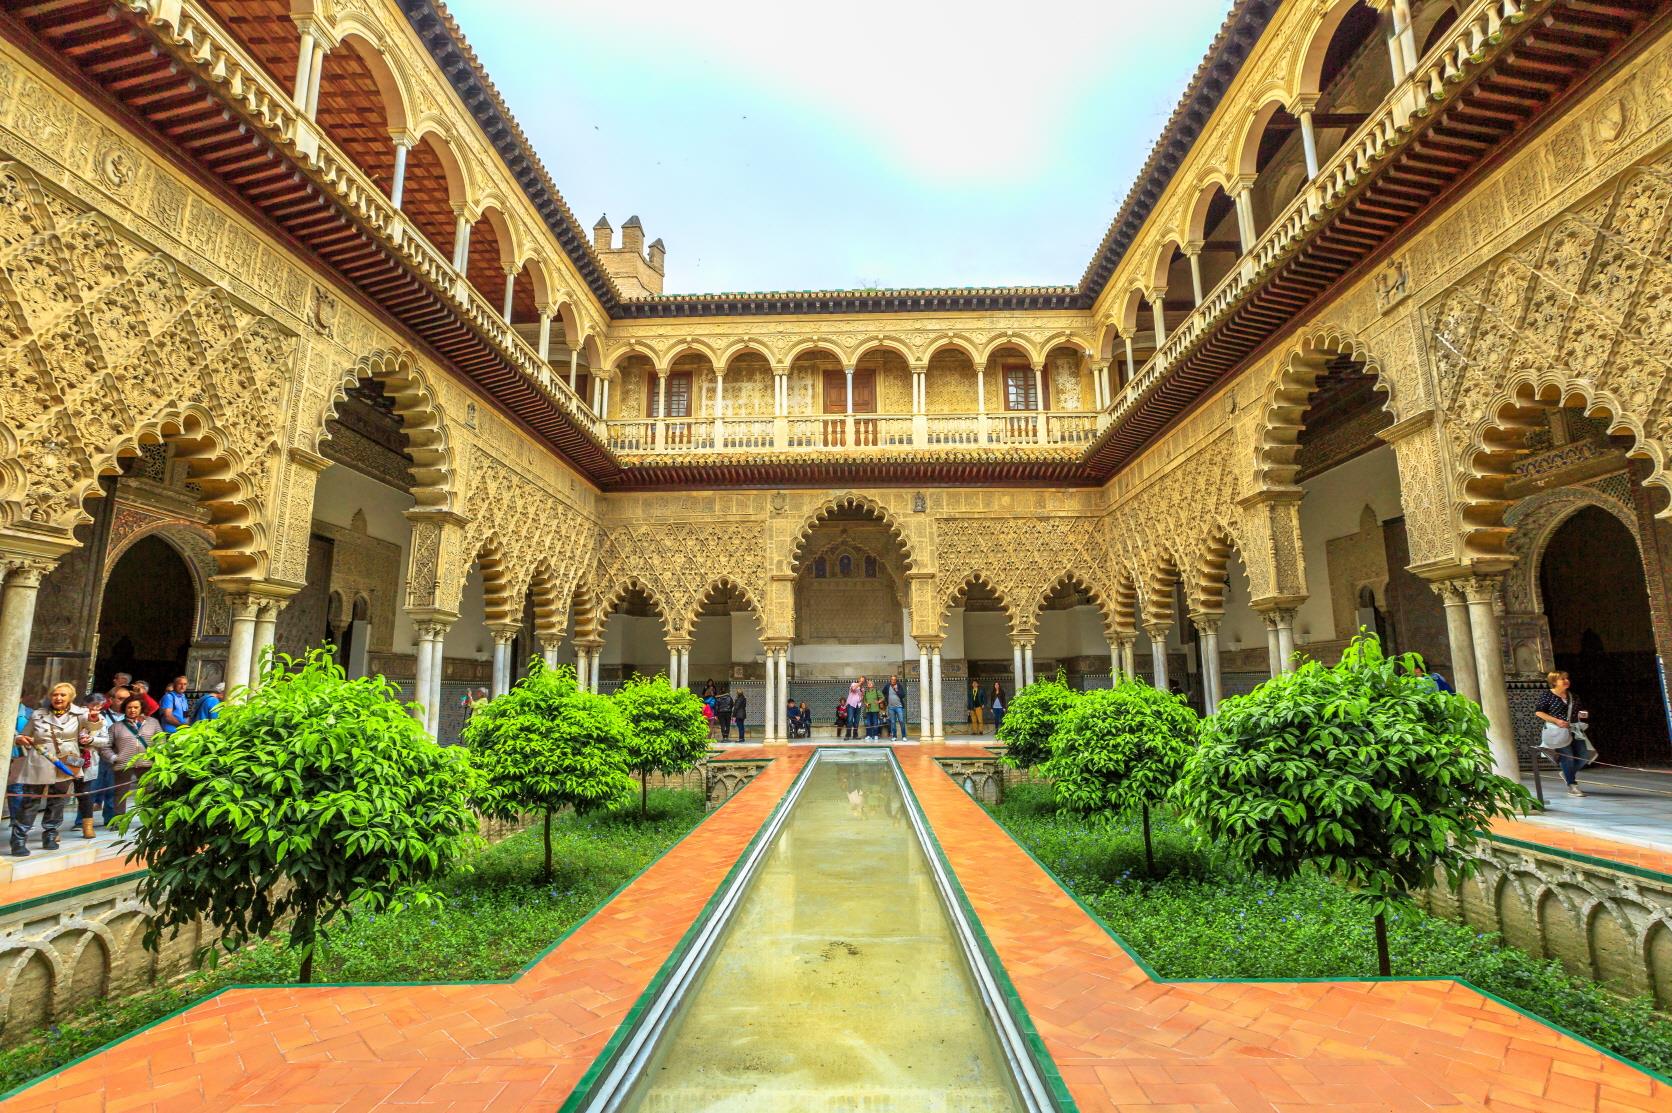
(547, 744)
(1030, 719)
(1364, 770)
(666, 730)
(310, 797)
(1121, 750)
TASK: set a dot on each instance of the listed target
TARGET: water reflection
(839, 984)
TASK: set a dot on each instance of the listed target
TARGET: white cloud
(978, 92)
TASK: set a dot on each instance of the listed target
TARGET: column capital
(549, 642)
(1306, 102)
(1277, 618)
(1158, 630)
(504, 633)
(1023, 641)
(931, 645)
(679, 641)
(1481, 589)
(776, 645)
(1450, 592)
(589, 645)
(431, 629)
(1207, 622)
(1191, 247)
(26, 571)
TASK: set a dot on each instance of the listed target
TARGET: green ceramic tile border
(582, 1093)
(1041, 1055)
(1149, 971)
(74, 891)
(531, 964)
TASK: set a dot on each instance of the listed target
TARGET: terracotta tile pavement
(521, 1045)
(1121, 1041)
(1124, 1042)
(31, 887)
(1631, 854)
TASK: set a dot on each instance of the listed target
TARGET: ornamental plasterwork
(1022, 559)
(104, 340)
(678, 564)
(1577, 312)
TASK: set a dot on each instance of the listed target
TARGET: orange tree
(309, 795)
(1363, 770)
(545, 745)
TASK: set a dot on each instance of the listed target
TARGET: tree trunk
(1382, 963)
(644, 793)
(546, 874)
(305, 923)
(1149, 851)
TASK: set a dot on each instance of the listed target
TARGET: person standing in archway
(977, 707)
(740, 713)
(174, 711)
(1558, 707)
(48, 764)
(895, 694)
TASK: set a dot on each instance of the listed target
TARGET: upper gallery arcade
(299, 333)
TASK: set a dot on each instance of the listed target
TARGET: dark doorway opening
(146, 616)
(1597, 604)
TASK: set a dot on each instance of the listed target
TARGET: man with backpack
(723, 712)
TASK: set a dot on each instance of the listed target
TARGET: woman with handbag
(130, 737)
(1557, 708)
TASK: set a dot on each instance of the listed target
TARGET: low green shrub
(491, 922)
(1205, 917)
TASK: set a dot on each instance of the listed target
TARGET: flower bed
(494, 921)
(1202, 918)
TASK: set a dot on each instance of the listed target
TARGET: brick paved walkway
(1124, 1042)
(1121, 1041)
(521, 1045)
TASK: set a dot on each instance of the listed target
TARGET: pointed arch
(960, 591)
(1072, 577)
(1209, 575)
(850, 501)
(688, 621)
(501, 603)
(609, 601)
(434, 475)
(1286, 397)
(546, 590)
(1502, 435)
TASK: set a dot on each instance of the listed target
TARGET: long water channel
(840, 981)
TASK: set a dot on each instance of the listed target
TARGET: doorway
(147, 615)
(1597, 604)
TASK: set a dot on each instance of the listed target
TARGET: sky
(785, 146)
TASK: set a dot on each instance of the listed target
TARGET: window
(870, 568)
(821, 570)
(1021, 389)
(679, 394)
(844, 565)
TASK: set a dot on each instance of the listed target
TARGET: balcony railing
(1447, 62)
(858, 432)
(196, 29)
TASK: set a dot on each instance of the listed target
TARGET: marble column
(17, 622)
(397, 187)
(925, 710)
(438, 673)
(427, 659)
(1286, 637)
(1157, 632)
(1207, 625)
(1027, 660)
(241, 641)
(596, 662)
(1459, 639)
(504, 645)
(1129, 658)
(1274, 656)
(1482, 594)
(1016, 668)
(684, 666)
(783, 692)
(673, 665)
(583, 673)
(266, 635)
(939, 732)
(769, 716)
(548, 651)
